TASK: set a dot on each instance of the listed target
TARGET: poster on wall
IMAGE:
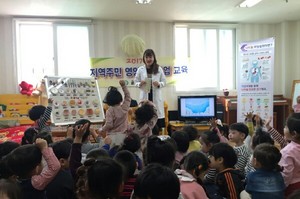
(74, 99)
(255, 78)
(108, 70)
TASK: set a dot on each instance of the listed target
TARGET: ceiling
(267, 11)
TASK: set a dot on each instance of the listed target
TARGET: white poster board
(295, 92)
(74, 99)
(255, 78)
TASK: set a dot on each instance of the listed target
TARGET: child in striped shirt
(41, 116)
(237, 134)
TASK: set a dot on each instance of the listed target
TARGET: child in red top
(26, 163)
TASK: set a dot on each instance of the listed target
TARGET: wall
(159, 36)
(7, 69)
(287, 49)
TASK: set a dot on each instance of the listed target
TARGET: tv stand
(178, 126)
(190, 122)
(193, 122)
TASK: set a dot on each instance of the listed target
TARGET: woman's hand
(156, 84)
(142, 83)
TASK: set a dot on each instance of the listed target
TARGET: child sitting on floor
(237, 134)
(266, 182)
(192, 132)
(128, 161)
(182, 141)
(259, 137)
(194, 167)
(62, 186)
(26, 162)
(157, 181)
(229, 180)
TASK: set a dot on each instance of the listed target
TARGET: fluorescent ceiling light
(143, 1)
(249, 3)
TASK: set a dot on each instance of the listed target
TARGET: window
(209, 54)
(51, 47)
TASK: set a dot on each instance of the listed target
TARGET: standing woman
(150, 78)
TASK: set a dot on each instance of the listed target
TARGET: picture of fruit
(81, 112)
(73, 112)
(89, 111)
(97, 111)
(66, 112)
(72, 102)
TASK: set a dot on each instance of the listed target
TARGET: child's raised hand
(69, 131)
(79, 131)
(107, 140)
(41, 143)
(50, 100)
(249, 116)
(257, 119)
(122, 83)
(213, 122)
(268, 122)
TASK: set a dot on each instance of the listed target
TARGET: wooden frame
(295, 91)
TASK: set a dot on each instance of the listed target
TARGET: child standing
(145, 120)
(290, 154)
(266, 182)
(116, 122)
(237, 134)
(41, 116)
(229, 180)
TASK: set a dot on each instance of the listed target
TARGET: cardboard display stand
(74, 99)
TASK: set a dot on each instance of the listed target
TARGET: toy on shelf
(26, 88)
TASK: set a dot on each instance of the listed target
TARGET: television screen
(197, 108)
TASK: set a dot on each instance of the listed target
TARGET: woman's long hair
(154, 66)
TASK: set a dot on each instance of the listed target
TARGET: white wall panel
(8, 82)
